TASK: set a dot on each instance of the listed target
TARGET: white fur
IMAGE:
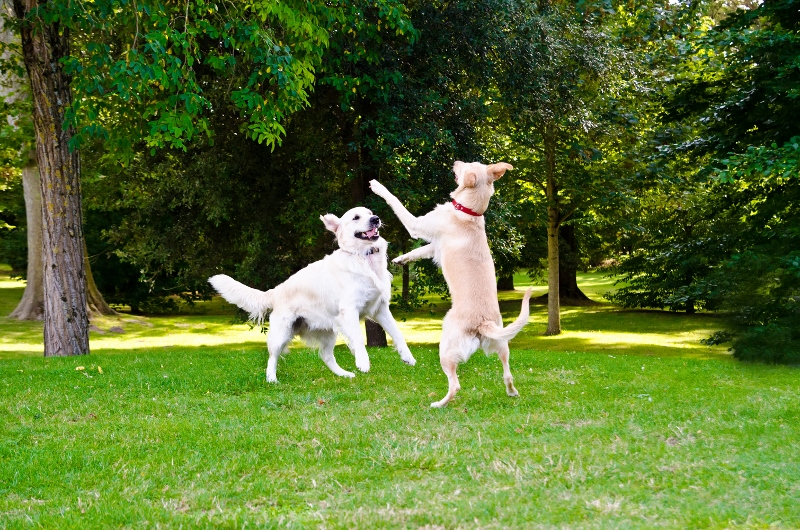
(328, 296)
(458, 244)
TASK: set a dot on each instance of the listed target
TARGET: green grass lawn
(625, 421)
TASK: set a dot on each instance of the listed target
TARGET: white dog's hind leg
(279, 336)
(350, 326)
(326, 344)
(386, 320)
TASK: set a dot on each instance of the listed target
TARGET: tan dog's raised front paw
(378, 188)
(402, 259)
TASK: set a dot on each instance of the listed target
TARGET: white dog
(329, 295)
(457, 236)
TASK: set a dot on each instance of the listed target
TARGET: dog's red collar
(462, 208)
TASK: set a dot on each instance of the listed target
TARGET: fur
(458, 244)
(328, 296)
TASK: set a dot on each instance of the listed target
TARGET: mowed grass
(656, 432)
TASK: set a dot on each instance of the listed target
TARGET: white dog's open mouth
(370, 235)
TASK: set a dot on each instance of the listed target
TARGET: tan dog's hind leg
(449, 365)
(508, 379)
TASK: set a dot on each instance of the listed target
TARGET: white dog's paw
(401, 260)
(363, 365)
(271, 378)
(347, 374)
(378, 188)
(408, 358)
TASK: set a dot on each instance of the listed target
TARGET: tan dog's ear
(331, 222)
(496, 171)
(469, 180)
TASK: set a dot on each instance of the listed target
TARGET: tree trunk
(568, 268)
(406, 291)
(97, 304)
(66, 323)
(376, 335)
(15, 88)
(505, 283)
(553, 222)
(31, 307)
(406, 281)
(553, 293)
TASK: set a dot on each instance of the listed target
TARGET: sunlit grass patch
(596, 328)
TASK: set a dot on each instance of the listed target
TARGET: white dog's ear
(498, 170)
(331, 222)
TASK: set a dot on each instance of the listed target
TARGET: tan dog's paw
(378, 188)
(402, 260)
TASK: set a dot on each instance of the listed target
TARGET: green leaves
(773, 162)
(144, 71)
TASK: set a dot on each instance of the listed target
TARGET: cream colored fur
(457, 243)
(328, 296)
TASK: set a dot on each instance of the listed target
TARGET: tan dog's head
(476, 183)
(356, 231)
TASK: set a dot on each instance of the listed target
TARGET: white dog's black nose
(375, 220)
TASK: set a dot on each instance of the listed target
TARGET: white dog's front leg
(423, 252)
(387, 322)
(350, 327)
(411, 223)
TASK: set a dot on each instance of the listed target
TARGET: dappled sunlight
(600, 328)
(662, 345)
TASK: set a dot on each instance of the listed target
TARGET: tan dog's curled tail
(493, 331)
(255, 302)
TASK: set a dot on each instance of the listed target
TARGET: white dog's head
(356, 231)
(476, 183)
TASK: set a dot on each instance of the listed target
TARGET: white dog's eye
(356, 218)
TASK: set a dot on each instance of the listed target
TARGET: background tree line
(660, 136)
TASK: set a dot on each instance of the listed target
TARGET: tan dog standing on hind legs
(457, 242)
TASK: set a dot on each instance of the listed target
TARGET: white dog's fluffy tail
(255, 302)
(493, 331)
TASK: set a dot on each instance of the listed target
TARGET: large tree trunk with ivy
(31, 306)
(66, 322)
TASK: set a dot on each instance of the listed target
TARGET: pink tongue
(371, 233)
